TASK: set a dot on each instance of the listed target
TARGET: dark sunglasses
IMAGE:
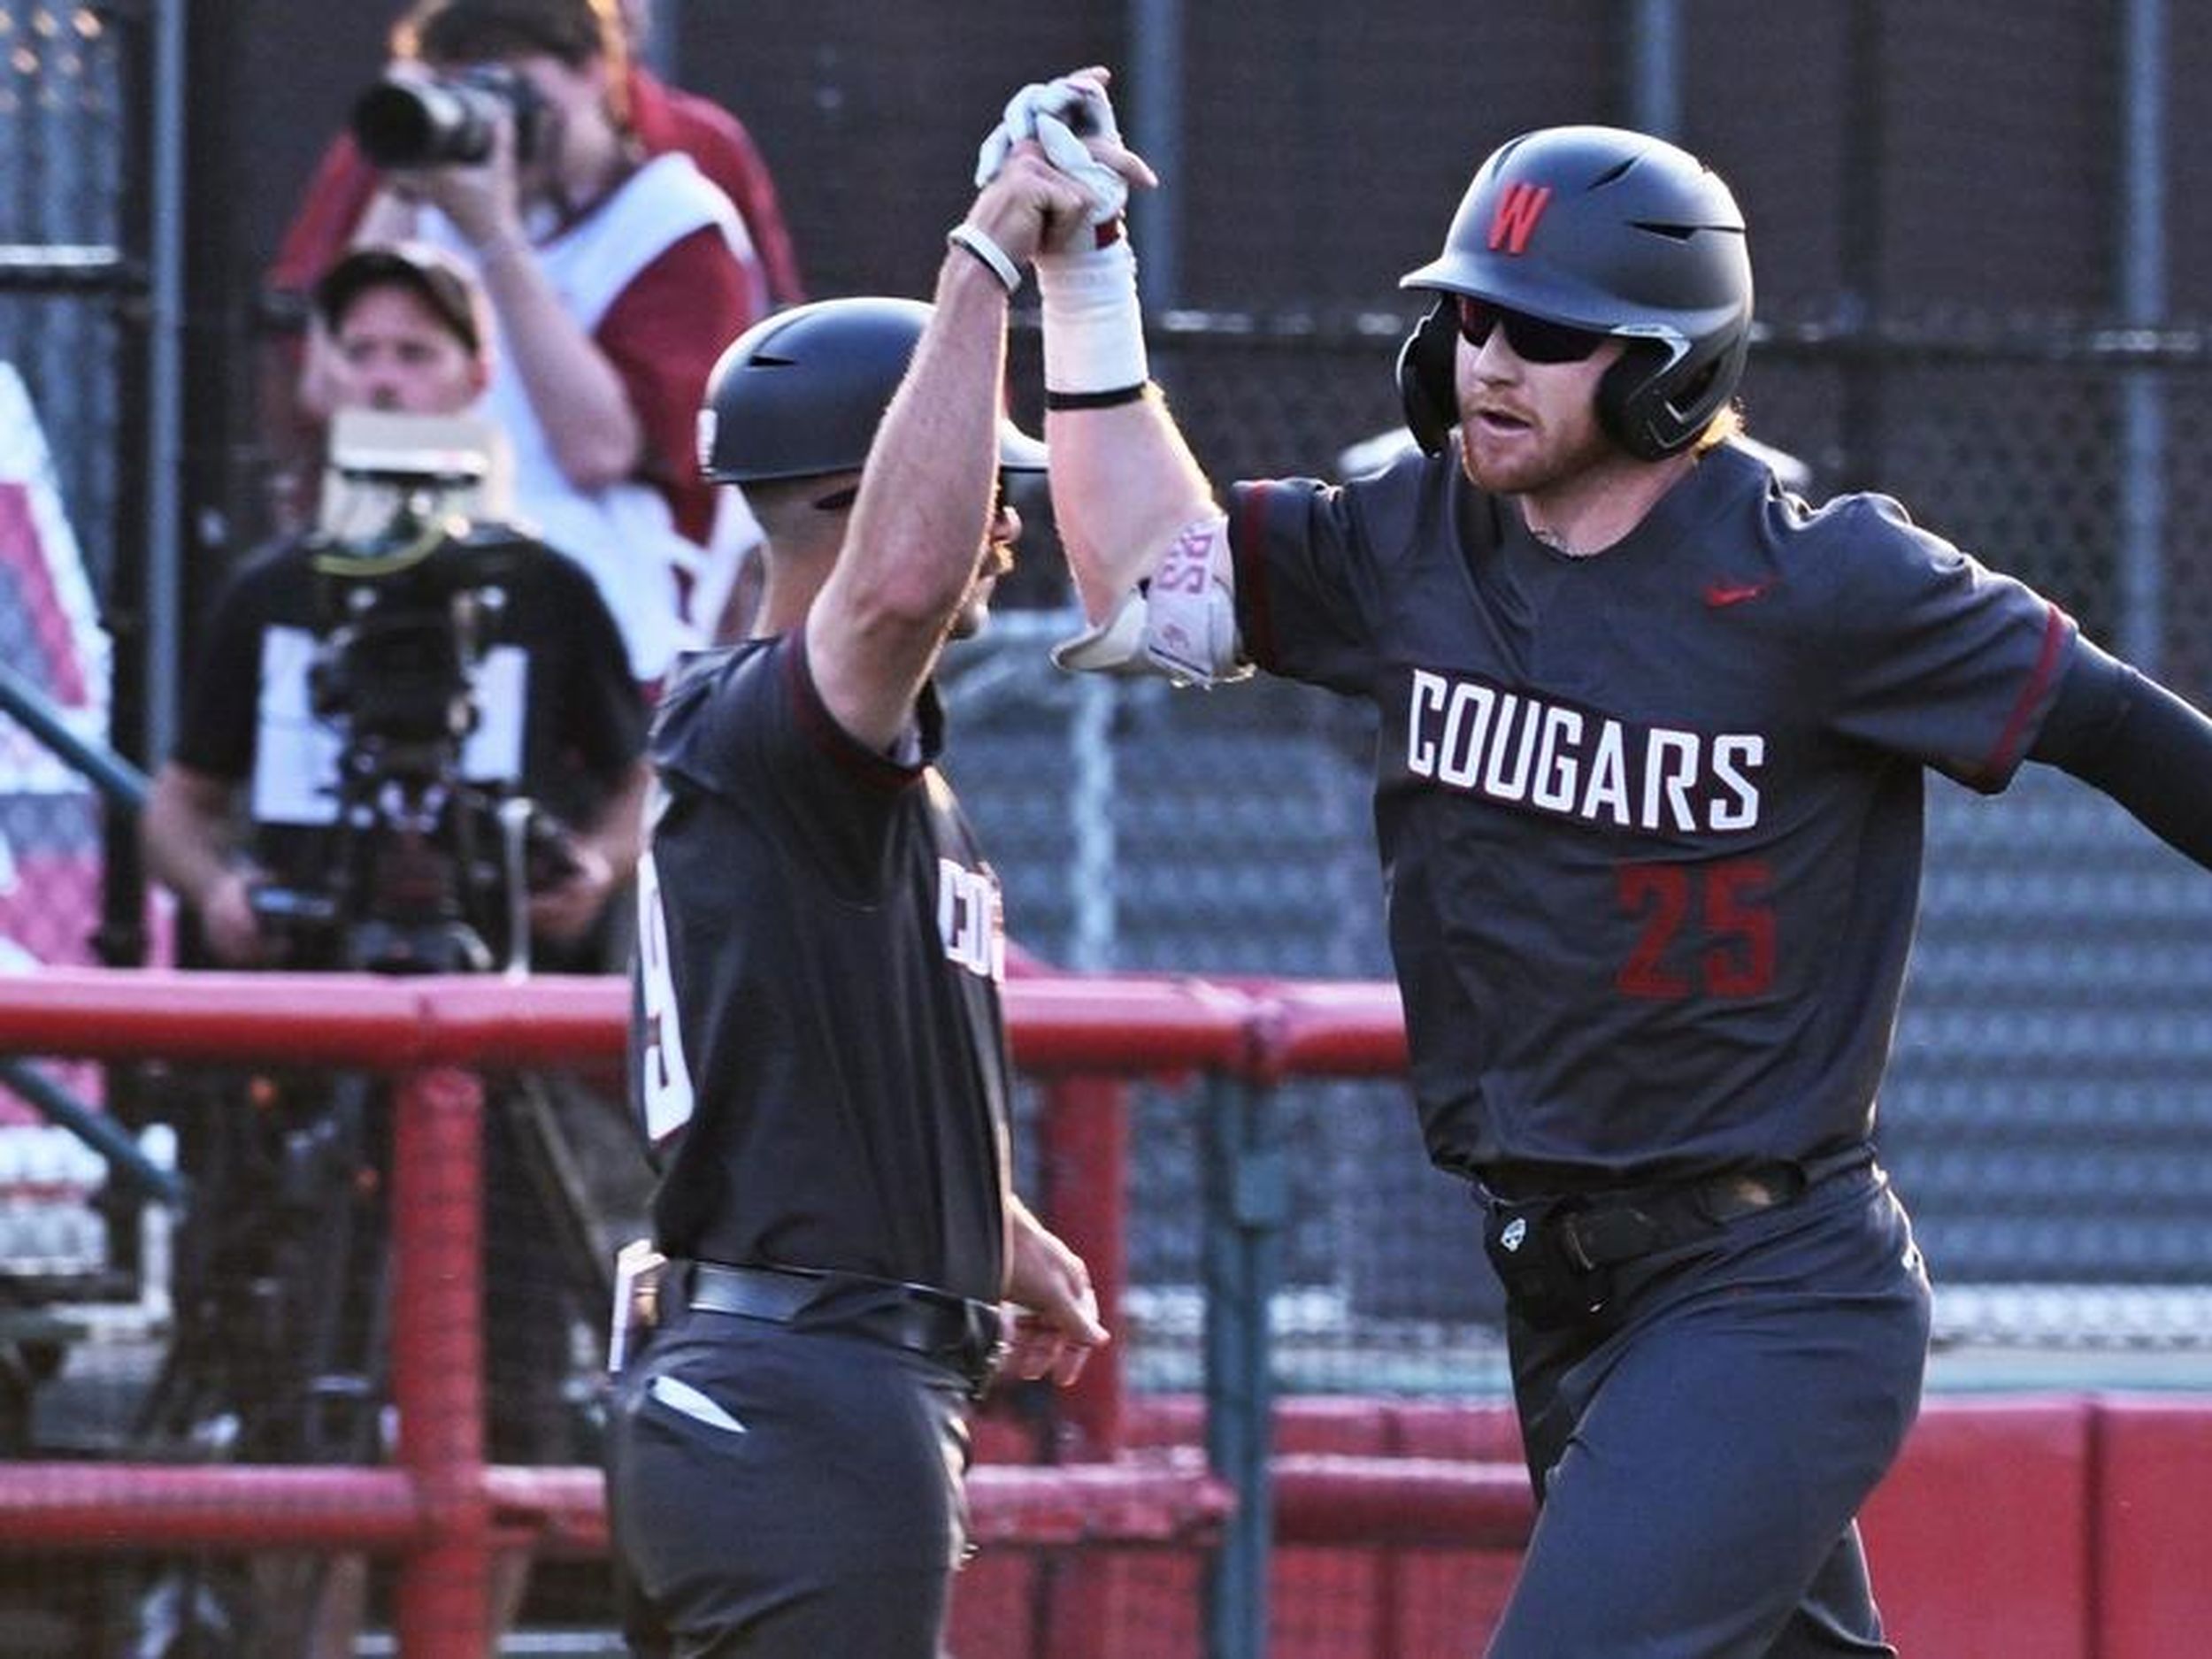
(1533, 338)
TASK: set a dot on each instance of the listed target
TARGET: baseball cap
(433, 275)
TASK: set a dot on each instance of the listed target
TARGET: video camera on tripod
(430, 869)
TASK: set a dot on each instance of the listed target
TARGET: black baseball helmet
(801, 393)
(1607, 230)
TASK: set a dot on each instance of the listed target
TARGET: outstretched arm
(2138, 743)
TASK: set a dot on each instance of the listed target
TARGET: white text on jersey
(1509, 747)
(972, 919)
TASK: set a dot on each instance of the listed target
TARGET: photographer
(614, 278)
(559, 719)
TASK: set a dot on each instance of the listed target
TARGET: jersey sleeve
(1935, 657)
(748, 725)
(329, 211)
(1305, 582)
(216, 732)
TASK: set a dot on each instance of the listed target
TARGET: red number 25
(1706, 929)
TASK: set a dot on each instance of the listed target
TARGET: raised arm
(922, 525)
(1124, 485)
(1127, 483)
(1144, 537)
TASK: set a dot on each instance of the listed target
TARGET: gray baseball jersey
(1650, 822)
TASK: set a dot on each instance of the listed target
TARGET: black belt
(955, 1330)
(1599, 1226)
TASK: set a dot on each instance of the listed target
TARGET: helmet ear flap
(1628, 398)
(1653, 411)
(1425, 383)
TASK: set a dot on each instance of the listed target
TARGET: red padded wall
(2154, 1508)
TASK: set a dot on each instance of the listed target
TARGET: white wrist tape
(1180, 625)
(1093, 324)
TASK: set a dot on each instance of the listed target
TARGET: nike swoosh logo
(1719, 594)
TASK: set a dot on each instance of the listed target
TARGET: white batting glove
(1060, 115)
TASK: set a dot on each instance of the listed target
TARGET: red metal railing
(440, 1510)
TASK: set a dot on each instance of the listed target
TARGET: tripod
(282, 1298)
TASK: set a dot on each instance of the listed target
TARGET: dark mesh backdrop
(1937, 196)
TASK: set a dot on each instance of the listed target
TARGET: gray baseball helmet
(799, 394)
(1607, 230)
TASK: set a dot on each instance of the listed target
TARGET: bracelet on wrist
(995, 257)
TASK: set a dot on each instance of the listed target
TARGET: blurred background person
(244, 824)
(565, 723)
(663, 116)
(615, 275)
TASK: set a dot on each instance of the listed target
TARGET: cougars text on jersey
(1468, 735)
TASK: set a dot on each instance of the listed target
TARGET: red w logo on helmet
(1517, 212)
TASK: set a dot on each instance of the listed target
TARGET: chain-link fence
(65, 281)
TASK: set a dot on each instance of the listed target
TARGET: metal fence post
(2140, 281)
(443, 1605)
(1247, 1192)
(1084, 1193)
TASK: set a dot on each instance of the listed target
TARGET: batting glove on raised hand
(1060, 114)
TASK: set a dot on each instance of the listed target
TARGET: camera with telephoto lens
(431, 870)
(415, 120)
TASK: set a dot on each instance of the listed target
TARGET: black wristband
(1114, 399)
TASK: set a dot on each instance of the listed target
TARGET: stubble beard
(1530, 463)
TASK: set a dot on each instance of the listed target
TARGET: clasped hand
(1071, 121)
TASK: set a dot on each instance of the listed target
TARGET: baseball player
(1648, 796)
(818, 1057)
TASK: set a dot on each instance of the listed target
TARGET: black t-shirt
(1651, 821)
(819, 1059)
(558, 715)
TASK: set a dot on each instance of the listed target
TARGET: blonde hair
(1727, 422)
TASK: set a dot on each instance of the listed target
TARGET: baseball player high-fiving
(819, 1059)
(1648, 796)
